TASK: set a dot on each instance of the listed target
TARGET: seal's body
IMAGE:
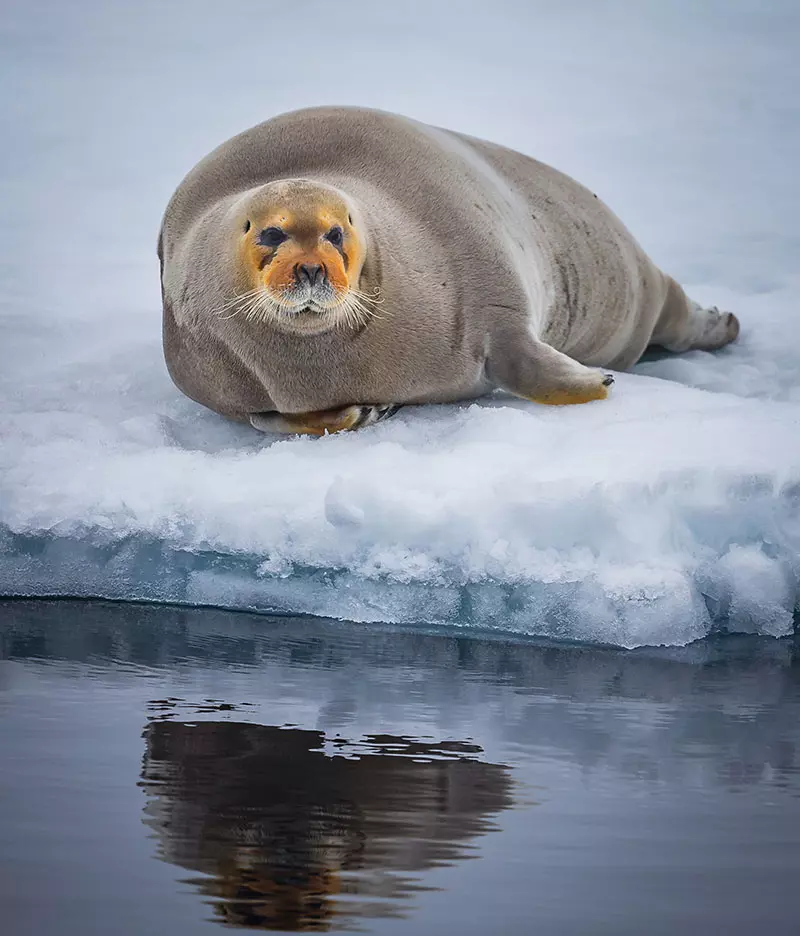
(330, 264)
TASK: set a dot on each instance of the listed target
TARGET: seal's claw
(369, 415)
(387, 410)
(608, 379)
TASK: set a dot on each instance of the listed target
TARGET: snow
(652, 518)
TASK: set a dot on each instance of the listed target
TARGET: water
(170, 771)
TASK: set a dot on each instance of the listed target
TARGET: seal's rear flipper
(707, 330)
(323, 422)
(685, 325)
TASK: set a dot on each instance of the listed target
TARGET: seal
(330, 265)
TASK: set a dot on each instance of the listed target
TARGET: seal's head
(301, 250)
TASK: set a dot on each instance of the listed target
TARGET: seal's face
(303, 253)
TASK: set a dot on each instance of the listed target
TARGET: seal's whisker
(345, 310)
(259, 308)
(246, 304)
(242, 295)
(376, 298)
(352, 310)
(243, 308)
(366, 311)
(347, 317)
(255, 300)
(352, 313)
(237, 299)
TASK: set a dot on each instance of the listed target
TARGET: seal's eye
(335, 236)
(272, 237)
(246, 226)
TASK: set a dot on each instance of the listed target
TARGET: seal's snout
(310, 274)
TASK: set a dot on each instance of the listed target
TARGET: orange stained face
(305, 257)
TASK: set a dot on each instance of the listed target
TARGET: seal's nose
(311, 274)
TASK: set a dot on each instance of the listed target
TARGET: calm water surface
(173, 771)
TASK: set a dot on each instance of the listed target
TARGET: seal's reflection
(291, 838)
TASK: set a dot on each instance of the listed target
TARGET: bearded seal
(329, 265)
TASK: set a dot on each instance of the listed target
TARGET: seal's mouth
(314, 300)
(305, 308)
(328, 306)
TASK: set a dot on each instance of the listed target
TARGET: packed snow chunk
(639, 520)
(758, 592)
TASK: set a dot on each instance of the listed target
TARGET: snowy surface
(650, 518)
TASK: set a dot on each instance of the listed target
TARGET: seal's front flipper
(323, 422)
(593, 386)
(533, 370)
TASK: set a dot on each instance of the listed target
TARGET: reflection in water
(292, 838)
(723, 713)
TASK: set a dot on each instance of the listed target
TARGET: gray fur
(496, 270)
